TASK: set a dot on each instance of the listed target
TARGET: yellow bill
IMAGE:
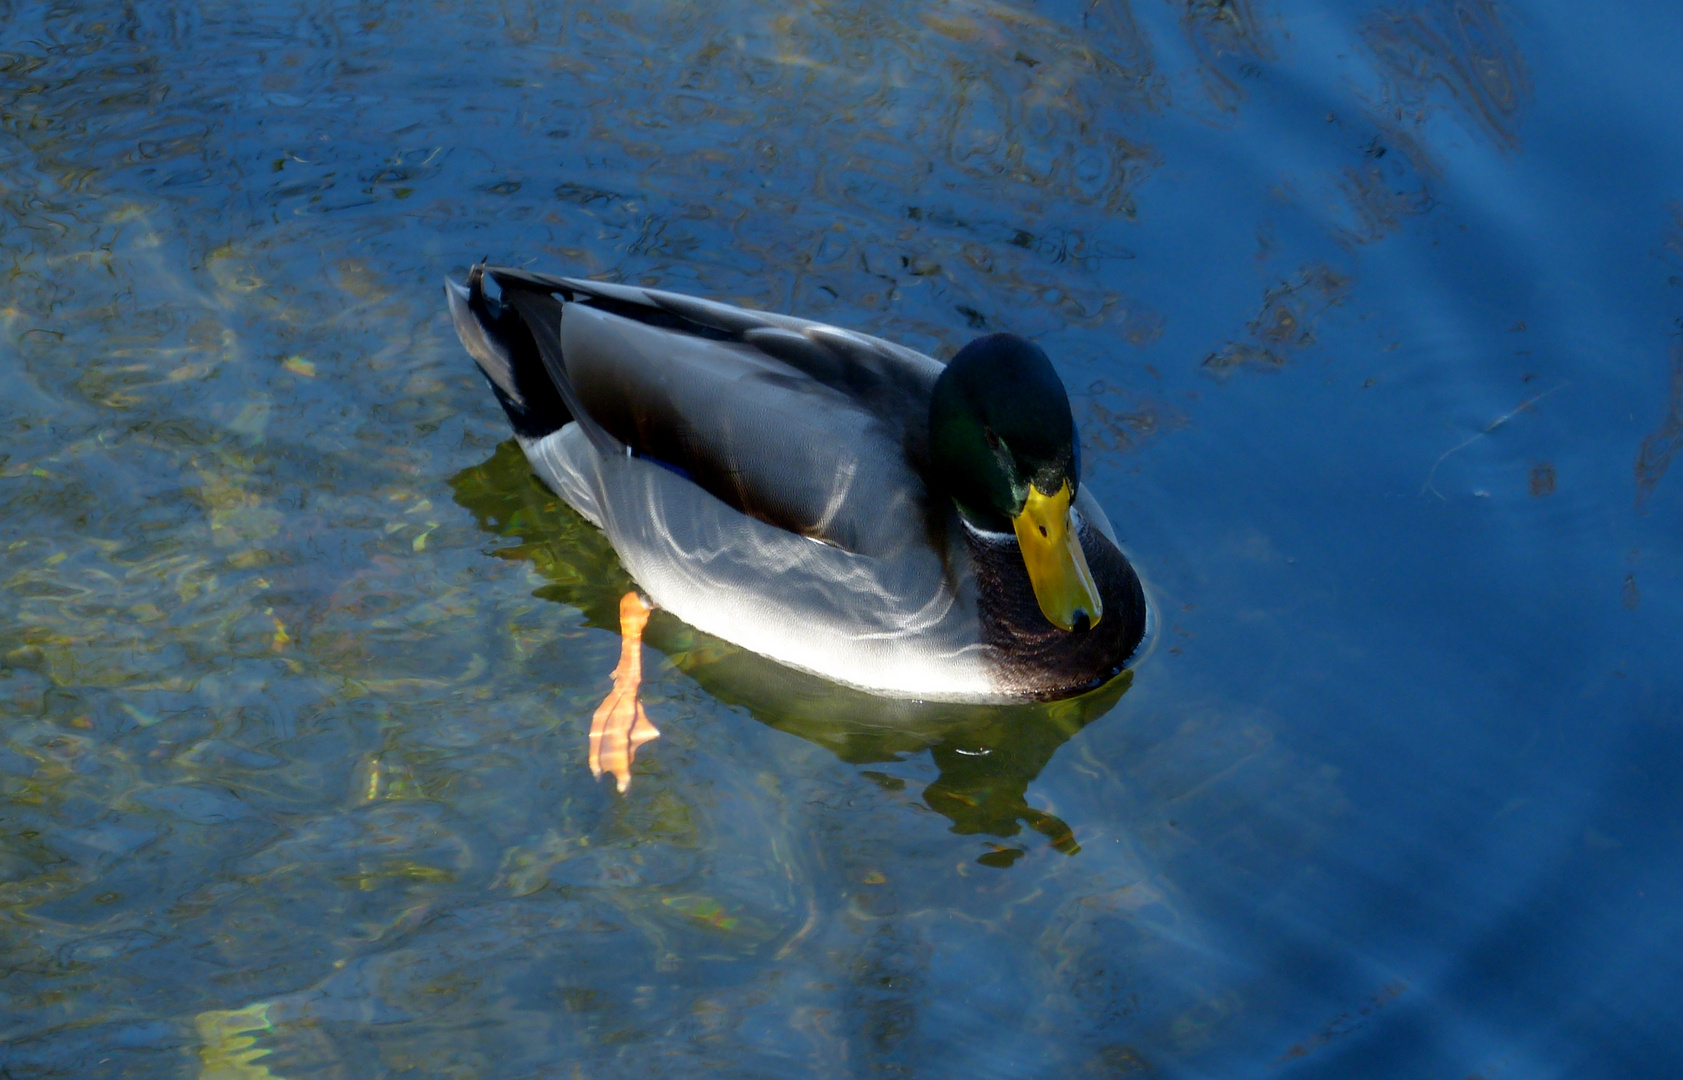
(1056, 566)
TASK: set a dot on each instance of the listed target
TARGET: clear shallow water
(1370, 313)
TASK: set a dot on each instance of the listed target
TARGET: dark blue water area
(1372, 318)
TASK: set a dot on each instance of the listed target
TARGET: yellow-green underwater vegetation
(1368, 313)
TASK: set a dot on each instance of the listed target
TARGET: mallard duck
(985, 756)
(838, 503)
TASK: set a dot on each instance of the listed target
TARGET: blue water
(1372, 317)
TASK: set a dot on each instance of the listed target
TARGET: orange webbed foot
(620, 725)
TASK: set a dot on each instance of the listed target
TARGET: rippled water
(1371, 316)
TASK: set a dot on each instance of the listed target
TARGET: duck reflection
(987, 754)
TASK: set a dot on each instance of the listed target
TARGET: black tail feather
(502, 344)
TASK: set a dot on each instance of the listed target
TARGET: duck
(835, 502)
(982, 758)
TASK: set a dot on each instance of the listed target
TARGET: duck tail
(502, 345)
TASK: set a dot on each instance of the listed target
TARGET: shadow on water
(987, 755)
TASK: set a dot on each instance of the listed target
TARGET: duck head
(1002, 444)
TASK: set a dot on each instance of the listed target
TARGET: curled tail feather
(502, 344)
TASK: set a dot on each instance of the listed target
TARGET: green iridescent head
(1002, 444)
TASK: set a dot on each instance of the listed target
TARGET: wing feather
(804, 426)
(747, 428)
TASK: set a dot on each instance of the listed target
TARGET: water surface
(1370, 314)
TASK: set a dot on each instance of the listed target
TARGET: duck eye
(1042, 530)
(993, 440)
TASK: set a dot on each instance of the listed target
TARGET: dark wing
(804, 426)
(887, 379)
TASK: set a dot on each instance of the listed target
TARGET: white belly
(885, 622)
